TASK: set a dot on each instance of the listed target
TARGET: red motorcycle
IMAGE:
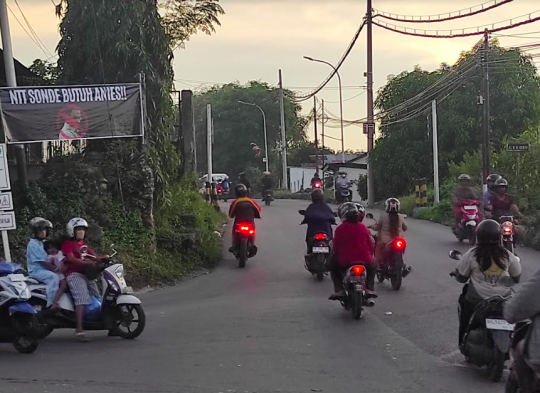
(243, 245)
(469, 221)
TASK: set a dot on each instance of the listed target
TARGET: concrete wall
(300, 178)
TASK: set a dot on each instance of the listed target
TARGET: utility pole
(370, 121)
(484, 100)
(322, 134)
(209, 141)
(316, 137)
(11, 79)
(283, 139)
(435, 152)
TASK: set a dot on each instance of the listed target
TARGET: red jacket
(353, 244)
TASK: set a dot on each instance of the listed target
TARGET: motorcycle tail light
(320, 236)
(358, 270)
(507, 230)
(246, 229)
(399, 244)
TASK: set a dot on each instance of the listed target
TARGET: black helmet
(489, 232)
(240, 190)
(348, 212)
(501, 182)
(317, 195)
(39, 223)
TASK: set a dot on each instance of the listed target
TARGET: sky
(258, 37)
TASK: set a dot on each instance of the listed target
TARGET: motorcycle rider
(319, 217)
(523, 305)
(315, 178)
(225, 184)
(81, 288)
(267, 183)
(37, 259)
(490, 180)
(391, 225)
(243, 209)
(462, 192)
(242, 179)
(352, 244)
(341, 182)
(484, 267)
(501, 203)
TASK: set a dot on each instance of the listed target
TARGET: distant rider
(242, 179)
(341, 182)
(319, 217)
(491, 179)
(243, 209)
(463, 192)
(314, 179)
(267, 183)
(501, 203)
(484, 267)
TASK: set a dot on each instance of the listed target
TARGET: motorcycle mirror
(370, 216)
(454, 254)
(335, 214)
(302, 212)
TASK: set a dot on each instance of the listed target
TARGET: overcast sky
(257, 37)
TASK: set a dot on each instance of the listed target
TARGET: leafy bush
(441, 213)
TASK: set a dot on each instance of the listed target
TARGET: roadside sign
(7, 221)
(518, 147)
(6, 201)
(4, 170)
(369, 127)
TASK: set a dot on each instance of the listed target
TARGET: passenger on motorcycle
(525, 304)
(390, 226)
(56, 258)
(485, 268)
(345, 206)
(463, 192)
(37, 259)
(352, 245)
(501, 203)
(80, 286)
(225, 184)
(243, 209)
(491, 179)
(242, 179)
(319, 217)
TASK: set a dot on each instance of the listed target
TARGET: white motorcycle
(18, 322)
(117, 311)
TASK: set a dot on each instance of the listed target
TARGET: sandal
(82, 337)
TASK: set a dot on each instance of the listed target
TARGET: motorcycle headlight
(119, 271)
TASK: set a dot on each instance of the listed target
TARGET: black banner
(36, 114)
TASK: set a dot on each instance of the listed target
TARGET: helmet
(361, 210)
(316, 174)
(392, 205)
(317, 195)
(348, 211)
(501, 182)
(75, 223)
(39, 223)
(267, 173)
(343, 174)
(489, 232)
(493, 177)
(242, 174)
(240, 190)
(464, 177)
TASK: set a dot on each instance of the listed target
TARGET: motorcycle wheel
(242, 254)
(25, 344)
(319, 262)
(397, 278)
(267, 202)
(511, 385)
(127, 319)
(27, 340)
(43, 329)
(472, 236)
(495, 369)
(356, 300)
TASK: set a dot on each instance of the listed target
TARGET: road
(270, 328)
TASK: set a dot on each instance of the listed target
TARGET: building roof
(25, 77)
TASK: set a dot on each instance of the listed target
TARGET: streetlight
(340, 102)
(264, 125)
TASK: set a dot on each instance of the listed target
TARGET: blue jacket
(319, 217)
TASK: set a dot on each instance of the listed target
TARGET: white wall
(300, 178)
(353, 174)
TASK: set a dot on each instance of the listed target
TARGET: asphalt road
(270, 328)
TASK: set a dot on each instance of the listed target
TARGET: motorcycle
(354, 283)
(486, 341)
(268, 196)
(343, 194)
(508, 232)
(243, 245)
(223, 194)
(117, 311)
(512, 382)
(469, 221)
(18, 322)
(317, 184)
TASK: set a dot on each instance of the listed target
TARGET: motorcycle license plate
(499, 324)
(321, 250)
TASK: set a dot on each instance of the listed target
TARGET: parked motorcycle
(354, 282)
(18, 322)
(512, 382)
(469, 221)
(508, 232)
(486, 341)
(244, 247)
(117, 311)
(268, 196)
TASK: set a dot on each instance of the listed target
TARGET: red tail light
(507, 229)
(317, 185)
(320, 236)
(246, 229)
(358, 270)
(399, 244)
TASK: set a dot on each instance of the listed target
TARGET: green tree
(237, 125)
(45, 70)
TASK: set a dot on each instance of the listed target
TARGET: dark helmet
(38, 223)
(493, 177)
(317, 195)
(501, 182)
(316, 174)
(242, 174)
(489, 232)
(240, 190)
(348, 212)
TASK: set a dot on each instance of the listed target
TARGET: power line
(31, 28)
(44, 50)
(477, 9)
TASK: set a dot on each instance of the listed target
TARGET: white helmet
(75, 223)
(392, 205)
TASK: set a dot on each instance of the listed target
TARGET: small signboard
(518, 147)
(369, 127)
(7, 221)
(6, 201)
(4, 170)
